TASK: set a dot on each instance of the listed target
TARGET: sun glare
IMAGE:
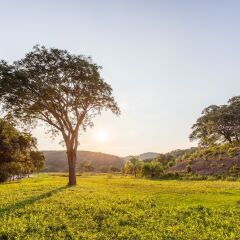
(101, 135)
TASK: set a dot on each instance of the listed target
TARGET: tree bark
(72, 155)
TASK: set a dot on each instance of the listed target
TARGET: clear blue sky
(166, 61)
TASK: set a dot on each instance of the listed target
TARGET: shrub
(170, 164)
(211, 178)
(234, 170)
(151, 169)
(4, 176)
(231, 178)
(233, 151)
(189, 168)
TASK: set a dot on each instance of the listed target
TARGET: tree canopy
(132, 166)
(218, 124)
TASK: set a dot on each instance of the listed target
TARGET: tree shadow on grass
(29, 201)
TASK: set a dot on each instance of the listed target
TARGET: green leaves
(18, 152)
(57, 87)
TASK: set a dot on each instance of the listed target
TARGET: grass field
(103, 207)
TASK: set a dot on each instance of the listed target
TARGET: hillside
(175, 154)
(56, 161)
(208, 167)
(223, 159)
(144, 156)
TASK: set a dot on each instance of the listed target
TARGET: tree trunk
(72, 155)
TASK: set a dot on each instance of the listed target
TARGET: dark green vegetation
(156, 167)
(110, 207)
(63, 90)
(18, 152)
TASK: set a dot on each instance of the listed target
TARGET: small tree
(63, 90)
(152, 169)
(189, 168)
(132, 166)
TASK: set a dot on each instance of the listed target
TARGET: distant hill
(144, 156)
(148, 155)
(175, 153)
(56, 161)
(180, 152)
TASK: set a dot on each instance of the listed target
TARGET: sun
(101, 135)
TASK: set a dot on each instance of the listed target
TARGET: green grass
(102, 207)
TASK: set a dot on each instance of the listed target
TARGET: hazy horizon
(166, 61)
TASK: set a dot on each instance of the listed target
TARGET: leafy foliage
(152, 169)
(147, 168)
(218, 124)
(132, 166)
(18, 152)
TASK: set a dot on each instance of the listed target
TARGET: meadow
(116, 207)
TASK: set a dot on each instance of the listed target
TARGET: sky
(165, 59)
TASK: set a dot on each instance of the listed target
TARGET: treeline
(18, 152)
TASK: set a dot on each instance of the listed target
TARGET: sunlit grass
(115, 207)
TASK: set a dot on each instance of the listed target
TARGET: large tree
(63, 90)
(218, 124)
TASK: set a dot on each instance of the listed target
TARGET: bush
(233, 151)
(234, 170)
(231, 178)
(193, 177)
(151, 169)
(211, 178)
(172, 176)
(4, 176)
(189, 168)
(170, 164)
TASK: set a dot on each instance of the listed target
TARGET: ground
(115, 207)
